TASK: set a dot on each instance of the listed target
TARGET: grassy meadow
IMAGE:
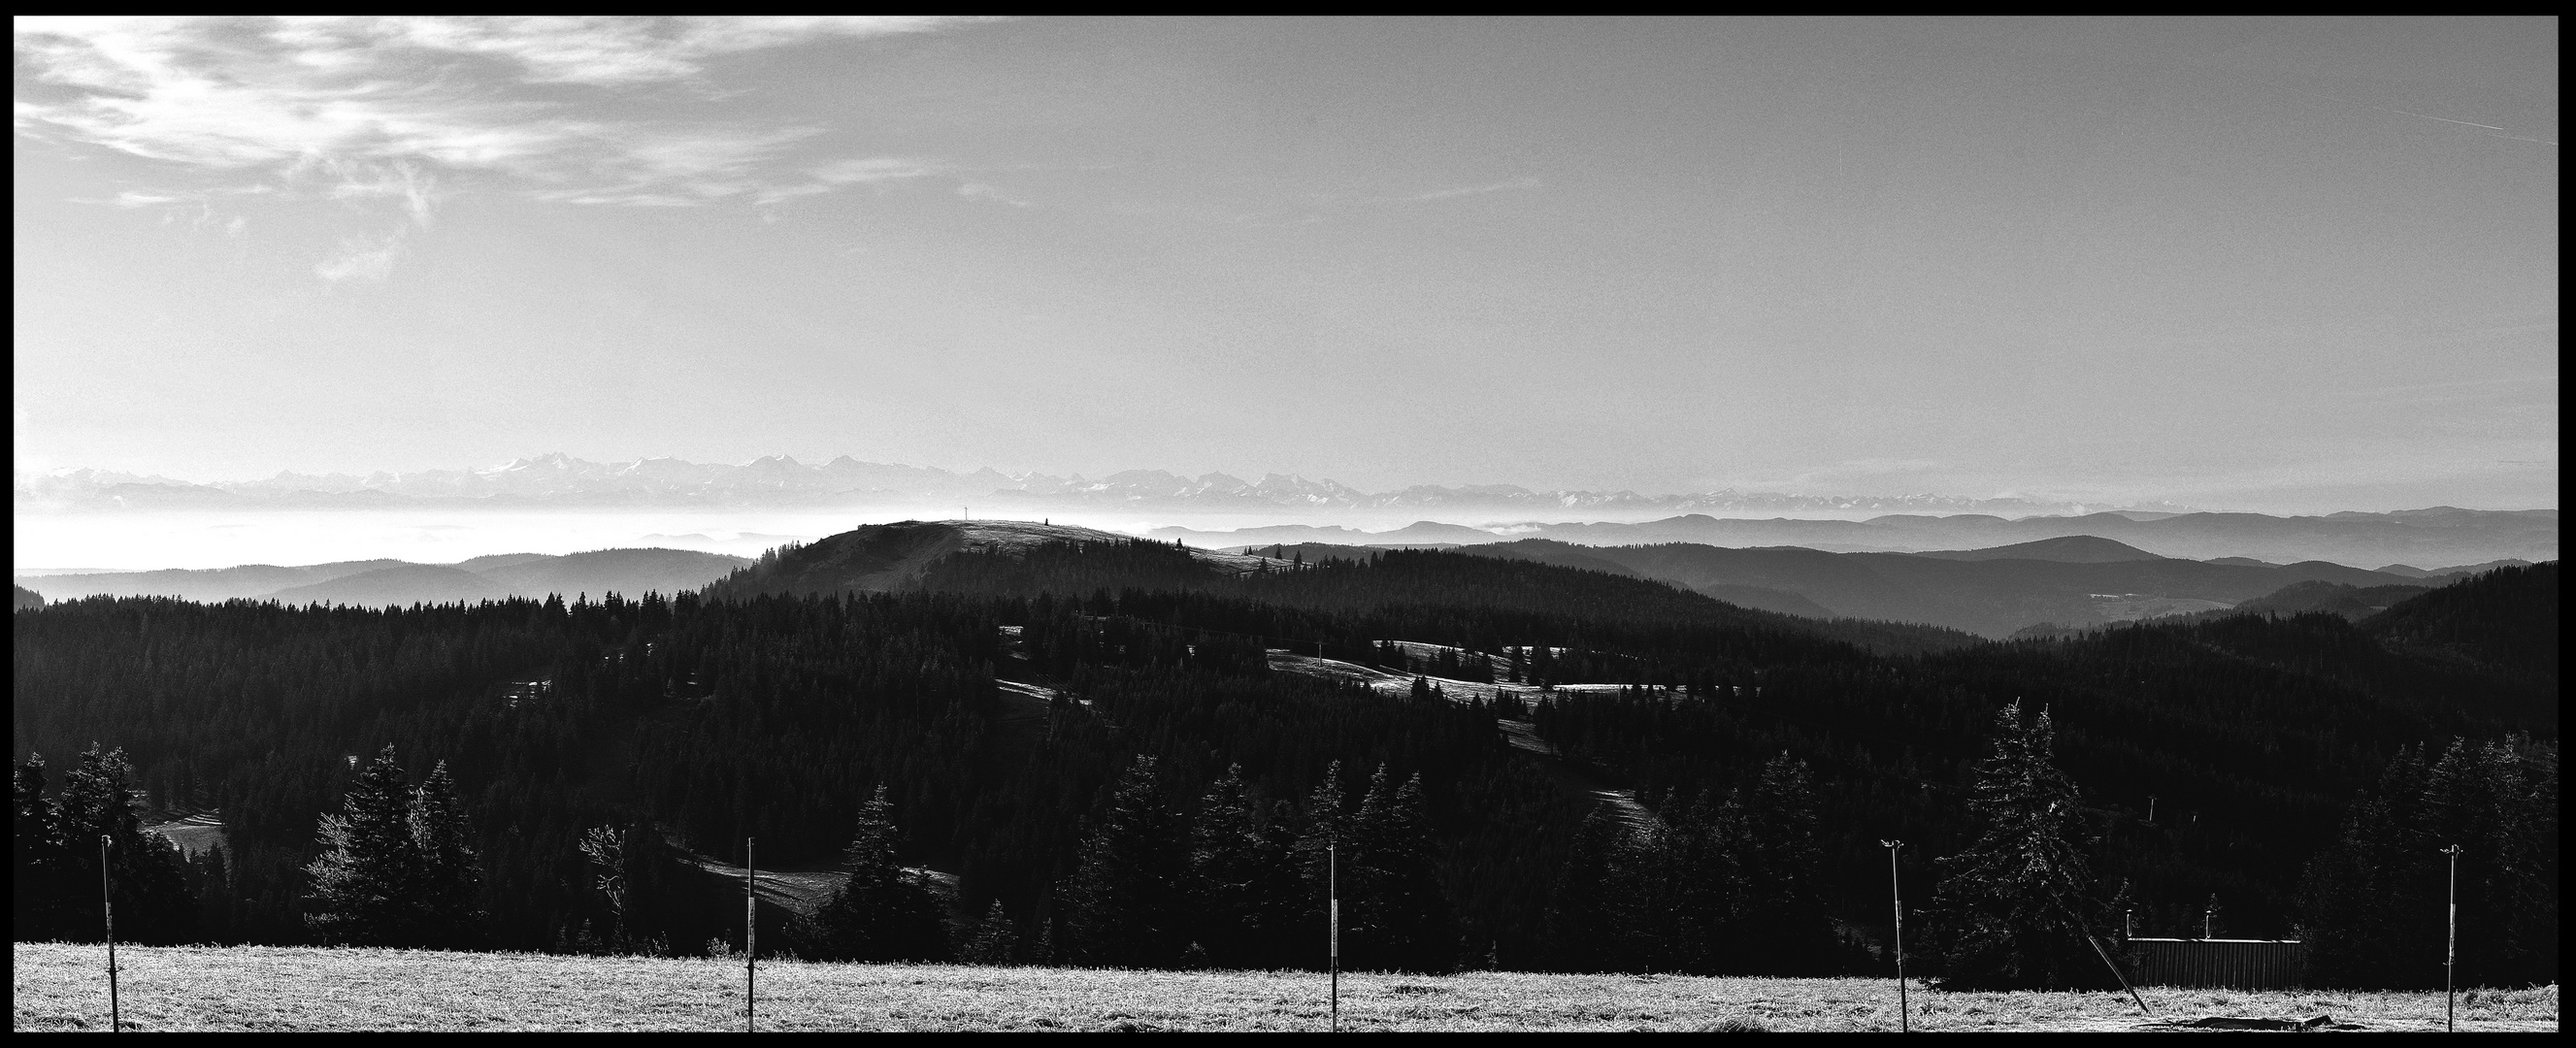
(57, 986)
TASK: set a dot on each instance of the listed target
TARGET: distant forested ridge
(1002, 696)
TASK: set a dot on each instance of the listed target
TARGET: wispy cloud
(1526, 182)
(852, 172)
(391, 110)
(362, 259)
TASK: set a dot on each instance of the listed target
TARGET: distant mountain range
(631, 572)
(2400, 541)
(779, 481)
(2062, 584)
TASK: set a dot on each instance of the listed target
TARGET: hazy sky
(2304, 264)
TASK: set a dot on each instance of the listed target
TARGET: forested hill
(2506, 619)
(1498, 596)
(698, 720)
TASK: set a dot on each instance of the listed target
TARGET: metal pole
(750, 936)
(1333, 894)
(2451, 950)
(1896, 892)
(2105, 955)
(107, 907)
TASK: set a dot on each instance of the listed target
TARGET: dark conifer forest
(1093, 740)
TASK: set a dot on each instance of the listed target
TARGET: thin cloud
(1530, 182)
(360, 259)
(399, 110)
(985, 191)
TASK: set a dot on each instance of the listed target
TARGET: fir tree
(450, 875)
(1225, 874)
(2371, 903)
(147, 873)
(366, 883)
(994, 940)
(2366, 899)
(1123, 908)
(37, 863)
(2014, 909)
(883, 912)
(1784, 902)
(1398, 916)
(1706, 840)
(1321, 850)
(1580, 927)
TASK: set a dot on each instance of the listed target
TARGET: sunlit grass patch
(63, 987)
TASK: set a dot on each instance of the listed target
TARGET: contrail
(2444, 119)
(2420, 116)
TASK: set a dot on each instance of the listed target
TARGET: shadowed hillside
(2071, 581)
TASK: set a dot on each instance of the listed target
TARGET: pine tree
(147, 873)
(1706, 839)
(1225, 856)
(1123, 908)
(37, 884)
(450, 875)
(2014, 909)
(366, 883)
(1282, 937)
(1321, 849)
(883, 912)
(1580, 928)
(1784, 902)
(2364, 900)
(1398, 916)
(995, 940)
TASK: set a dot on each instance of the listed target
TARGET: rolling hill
(377, 583)
(2440, 535)
(2072, 581)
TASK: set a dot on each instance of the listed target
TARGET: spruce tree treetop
(880, 913)
(1124, 909)
(2014, 909)
(450, 875)
(366, 884)
(98, 800)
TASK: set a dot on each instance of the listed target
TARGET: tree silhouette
(2013, 909)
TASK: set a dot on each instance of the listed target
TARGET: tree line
(619, 740)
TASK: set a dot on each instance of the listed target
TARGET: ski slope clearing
(805, 891)
(1522, 734)
(60, 987)
(1285, 661)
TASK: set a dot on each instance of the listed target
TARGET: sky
(2284, 266)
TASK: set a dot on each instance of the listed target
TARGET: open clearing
(56, 986)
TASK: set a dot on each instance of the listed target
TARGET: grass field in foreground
(57, 986)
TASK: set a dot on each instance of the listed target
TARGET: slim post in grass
(2105, 955)
(2451, 950)
(1896, 893)
(107, 908)
(1333, 932)
(750, 935)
